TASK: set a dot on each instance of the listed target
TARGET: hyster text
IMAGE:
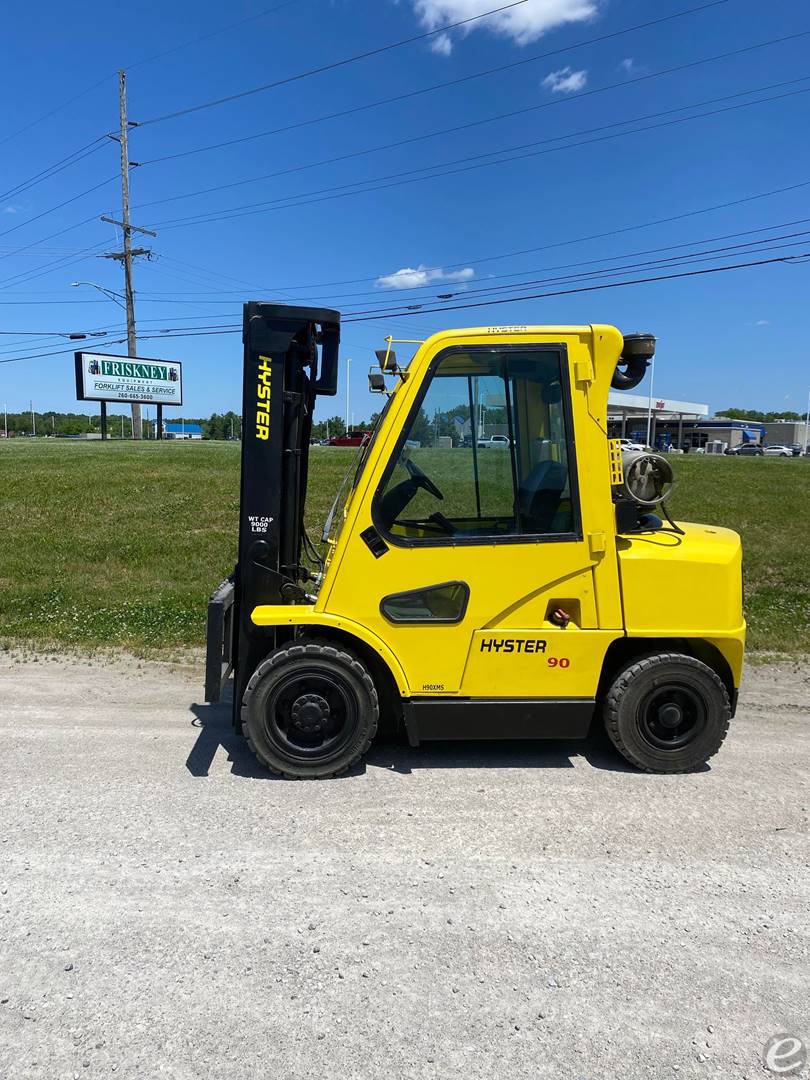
(516, 645)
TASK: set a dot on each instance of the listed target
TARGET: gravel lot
(493, 911)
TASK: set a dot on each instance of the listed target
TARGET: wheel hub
(669, 716)
(310, 714)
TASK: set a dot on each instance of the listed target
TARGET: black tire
(310, 711)
(667, 713)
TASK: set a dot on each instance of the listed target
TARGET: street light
(117, 298)
(650, 402)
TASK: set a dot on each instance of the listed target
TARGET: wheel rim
(310, 715)
(671, 717)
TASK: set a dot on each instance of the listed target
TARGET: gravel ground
(493, 911)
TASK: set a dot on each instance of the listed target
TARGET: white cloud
(762, 322)
(442, 44)
(412, 277)
(565, 81)
(9, 209)
(522, 24)
(630, 67)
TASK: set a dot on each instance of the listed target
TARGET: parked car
(500, 441)
(777, 450)
(746, 450)
(631, 444)
(351, 438)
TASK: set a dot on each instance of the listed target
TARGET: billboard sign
(100, 377)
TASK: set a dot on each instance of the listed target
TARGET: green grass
(120, 544)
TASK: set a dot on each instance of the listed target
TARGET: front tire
(667, 713)
(310, 711)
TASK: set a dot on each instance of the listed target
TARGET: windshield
(334, 518)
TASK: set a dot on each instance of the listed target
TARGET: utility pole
(126, 256)
(650, 401)
(807, 425)
(33, 418)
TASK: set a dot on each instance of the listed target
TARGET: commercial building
(672, 422)
(181, 430)
(788, 432)
(682, 424)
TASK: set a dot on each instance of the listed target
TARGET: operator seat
(539, 497)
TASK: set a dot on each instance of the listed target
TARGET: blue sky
(727, 339)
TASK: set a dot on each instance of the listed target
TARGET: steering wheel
(422, 479)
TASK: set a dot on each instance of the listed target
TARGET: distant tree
(422, 430)
(324, 429)
(762, 417)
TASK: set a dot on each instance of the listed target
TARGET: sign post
(104, 378)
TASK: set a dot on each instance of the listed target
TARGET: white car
(777, 450)
(631, 444)
(500, 441)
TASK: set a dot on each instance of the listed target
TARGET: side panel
(512, 585)
(686, 586)
(548, 662)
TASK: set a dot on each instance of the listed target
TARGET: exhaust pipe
(632, 365)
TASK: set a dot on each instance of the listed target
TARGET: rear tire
(667, 713)
(310, 711)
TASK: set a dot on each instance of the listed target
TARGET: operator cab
(515, 395)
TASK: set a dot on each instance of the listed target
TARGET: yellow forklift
(495, 567)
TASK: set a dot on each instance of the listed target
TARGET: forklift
(468, 587)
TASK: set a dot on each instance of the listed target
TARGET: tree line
(761, 417)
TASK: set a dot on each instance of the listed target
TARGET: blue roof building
(181, 430)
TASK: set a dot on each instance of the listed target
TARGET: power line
(57, 352)
(332, 66)
(139, 63)
(39, 303)
(416, 291)
(726, 252)
(439, 86)
(575, 240)
(56, 264)
(734, 251)
(350, 317)
(48, 115)
(57, 167)
(40, 333)
(212, 34)
(59, 206)
(595, 288)
(51, 236)
(406, 177)
(217, 329)
(489, 120)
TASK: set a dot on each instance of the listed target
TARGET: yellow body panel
(667, 586)
(686, 586)
(308, 615)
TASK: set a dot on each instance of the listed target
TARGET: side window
(436, 603)
(485, 453)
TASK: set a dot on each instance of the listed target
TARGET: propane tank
(648, 478)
